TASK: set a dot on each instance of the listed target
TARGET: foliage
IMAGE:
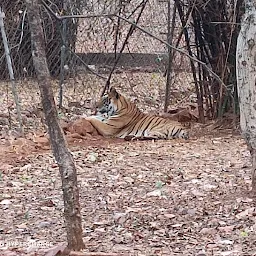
(212, 29)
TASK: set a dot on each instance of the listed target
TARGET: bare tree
(62, 155)
(246, 80)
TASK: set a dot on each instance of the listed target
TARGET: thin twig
(177, 49)
(186, 19)
(193, 68)
(86, 65)
(225, 22)
(130, 32)
(204, 65)
(58, 17)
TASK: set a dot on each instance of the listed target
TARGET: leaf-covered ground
(140, 198)
(137, 198)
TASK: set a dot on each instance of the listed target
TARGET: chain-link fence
(95, 40)
(103, 41)
(83, 52)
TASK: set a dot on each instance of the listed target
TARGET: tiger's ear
(113, 93)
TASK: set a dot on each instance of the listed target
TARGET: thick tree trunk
(62, 155)
(246, 80)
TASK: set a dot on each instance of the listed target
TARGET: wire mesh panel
(124, 39)
(17, 29)
(95, 40)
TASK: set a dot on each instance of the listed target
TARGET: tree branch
(204, 65)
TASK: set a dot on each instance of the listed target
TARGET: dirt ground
(137, 198)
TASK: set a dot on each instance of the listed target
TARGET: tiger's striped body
(118, 117)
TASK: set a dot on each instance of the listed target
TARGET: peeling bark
(62, 155)
(246, 80)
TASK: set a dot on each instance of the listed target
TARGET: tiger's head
(109, 104)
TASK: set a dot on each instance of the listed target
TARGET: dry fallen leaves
(128, 206)
(137, 198)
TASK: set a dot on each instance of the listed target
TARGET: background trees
(207, 29)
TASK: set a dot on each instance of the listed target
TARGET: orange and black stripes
(125, 119)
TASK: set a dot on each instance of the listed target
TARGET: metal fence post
(10, 69)
(62, 60)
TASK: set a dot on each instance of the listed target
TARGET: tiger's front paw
(99, 118)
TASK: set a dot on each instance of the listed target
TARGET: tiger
(118, 117)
